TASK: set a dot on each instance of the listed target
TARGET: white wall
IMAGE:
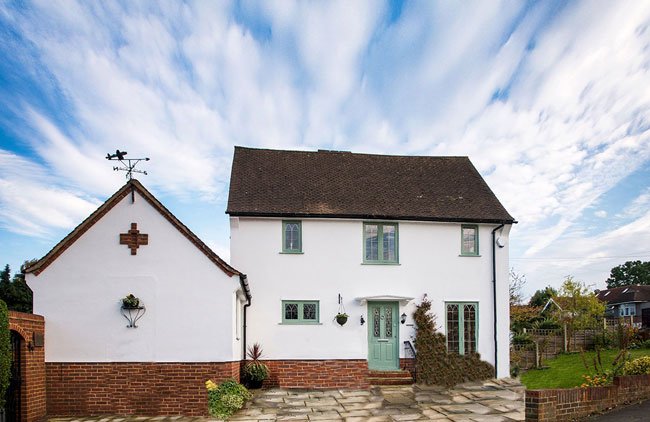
(332, 264)
(189, 300)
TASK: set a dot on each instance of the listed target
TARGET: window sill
(380, 263)
(291, 253)
(300, 323)
(470, 255)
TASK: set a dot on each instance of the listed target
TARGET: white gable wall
(332, 264)
(190, 301)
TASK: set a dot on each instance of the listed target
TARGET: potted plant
(130, 302)
(341, 318)
(255, 371)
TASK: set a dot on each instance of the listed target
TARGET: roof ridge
(322, 150)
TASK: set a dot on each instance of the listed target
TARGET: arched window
(291, 237)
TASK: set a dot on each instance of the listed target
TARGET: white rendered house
(312, 234)
(375, 233)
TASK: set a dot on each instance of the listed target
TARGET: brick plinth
(575, 403)
(407, 364)
(32, 370)
(347, 373)
(143, 388)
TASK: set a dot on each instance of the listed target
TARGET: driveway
(489, 401)
(496, 400)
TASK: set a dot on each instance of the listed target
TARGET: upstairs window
(469, 240)
(291, 237)
(300, 311)
(380, 243)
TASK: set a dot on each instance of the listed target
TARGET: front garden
(567, 370)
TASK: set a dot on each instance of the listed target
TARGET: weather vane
(128, 163)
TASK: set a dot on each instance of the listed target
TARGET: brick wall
(75, 389)
(573, 403)
(407, 364)
(32, 373)
(348, 373)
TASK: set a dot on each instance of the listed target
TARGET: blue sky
(550, 100)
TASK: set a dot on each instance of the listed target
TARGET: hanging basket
(341, 319)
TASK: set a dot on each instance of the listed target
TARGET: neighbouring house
(324, 232)
(313, 234)
(628, 301)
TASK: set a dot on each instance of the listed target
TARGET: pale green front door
(383, 336)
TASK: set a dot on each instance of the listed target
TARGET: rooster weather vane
(128, 163)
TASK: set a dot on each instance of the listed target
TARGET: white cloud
(32, 204)
(183, 83)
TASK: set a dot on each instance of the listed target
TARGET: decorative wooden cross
(133, 239)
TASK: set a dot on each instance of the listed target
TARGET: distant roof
(343, 184)
(64, 244)
(625, 294)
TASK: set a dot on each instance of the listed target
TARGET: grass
(565, 371)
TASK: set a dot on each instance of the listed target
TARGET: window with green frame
(462, 327)
(300, 312)
(469, 239)
(380, 243)
(291, 236)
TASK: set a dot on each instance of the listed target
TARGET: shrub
(255, 371)
(546, 324)
(522, 338)
(226, 398)
(639, 366)
(5, 352)
(434, 365)
(600, 375)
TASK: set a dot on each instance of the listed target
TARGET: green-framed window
(300, 312)
(462, 327)
(380, 243)
(291, 236)
(469, 239)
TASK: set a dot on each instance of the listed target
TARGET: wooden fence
(548, 343)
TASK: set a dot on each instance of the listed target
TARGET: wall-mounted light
(403, 320)
(362, 321)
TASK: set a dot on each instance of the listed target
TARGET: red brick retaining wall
(32, 373)
(141, 388)
(573, 403)
(348, 373)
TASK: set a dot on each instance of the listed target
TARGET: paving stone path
(489, 401)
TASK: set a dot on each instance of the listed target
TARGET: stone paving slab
(489, 401)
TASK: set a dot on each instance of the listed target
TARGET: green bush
(226, 398)
(5, 352)
(522, 338)
(433, 364)
(256, 371)
(639, 366)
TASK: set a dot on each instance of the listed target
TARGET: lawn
(565, 371)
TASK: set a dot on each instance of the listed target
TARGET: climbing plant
(5, 352)
(434, 365)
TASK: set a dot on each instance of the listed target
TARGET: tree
(517, 283)
(542, 296)
(632, 272)
(16, 293)
(581, 309)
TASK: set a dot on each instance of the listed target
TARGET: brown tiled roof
(64, 244)
(625, 294)
(342, 184)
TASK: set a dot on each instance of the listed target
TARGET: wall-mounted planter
(341, 319)
(132, 309)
